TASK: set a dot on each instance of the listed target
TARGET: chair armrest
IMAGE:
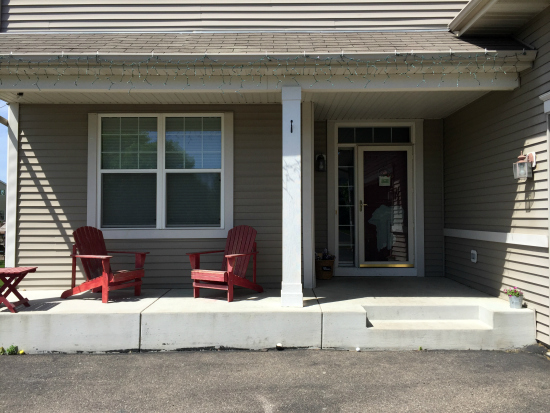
(231, 258)
(240, 255)
(98, 257)
(204, 252)
(126, 252)
(195, 258)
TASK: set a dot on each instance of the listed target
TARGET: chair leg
(196, 292)
(137, 289)
(229, 288)
(105, 289)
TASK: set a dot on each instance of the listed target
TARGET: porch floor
(345, 313)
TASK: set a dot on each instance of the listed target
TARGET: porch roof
(247, 43)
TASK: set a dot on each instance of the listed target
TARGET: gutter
(471, 13)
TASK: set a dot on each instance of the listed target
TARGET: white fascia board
(218, 84)
(472, 12)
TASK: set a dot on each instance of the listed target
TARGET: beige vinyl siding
(173, 15)
(320, 189)
(433, 198)
(481, 143)
(53, 190)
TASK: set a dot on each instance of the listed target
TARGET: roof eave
(474, 10)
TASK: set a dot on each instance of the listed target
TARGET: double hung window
(160, 173)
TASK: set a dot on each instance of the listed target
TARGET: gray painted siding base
(53, 190)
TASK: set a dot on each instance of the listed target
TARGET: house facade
(384, 133)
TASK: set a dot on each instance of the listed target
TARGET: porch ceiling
(328, 105)
(389, 105)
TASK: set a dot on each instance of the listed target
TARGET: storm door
(384, 207)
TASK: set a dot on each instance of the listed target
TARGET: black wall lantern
(523, 168)
(321, 163)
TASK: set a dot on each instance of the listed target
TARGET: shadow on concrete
(347, 288)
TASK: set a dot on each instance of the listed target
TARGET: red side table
(11, 277)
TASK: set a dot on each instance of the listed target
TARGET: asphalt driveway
(285, 381)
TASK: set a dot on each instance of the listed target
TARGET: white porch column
(308, 213)
(291, 288)
(11, 184)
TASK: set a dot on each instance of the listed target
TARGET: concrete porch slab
(252, 321)
(405, 314)
(80, 323)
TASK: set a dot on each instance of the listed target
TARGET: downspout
(3, 121)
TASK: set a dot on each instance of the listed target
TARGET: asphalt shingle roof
(246, 43)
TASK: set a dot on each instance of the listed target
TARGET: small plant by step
(11, 351)
(513, 292)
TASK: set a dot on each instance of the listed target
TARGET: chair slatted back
(89, 241)
(240, 240)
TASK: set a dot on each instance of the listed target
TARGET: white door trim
(417, 141)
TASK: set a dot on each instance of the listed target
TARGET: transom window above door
(394, 134)
(164, 172)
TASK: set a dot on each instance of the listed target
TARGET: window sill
(109, 233)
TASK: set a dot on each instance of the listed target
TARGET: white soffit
(328, 105)
(495, 17)
(389, 105)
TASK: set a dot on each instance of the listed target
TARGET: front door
(385, 229)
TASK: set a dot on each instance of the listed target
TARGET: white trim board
(528, 240)
(12, 185)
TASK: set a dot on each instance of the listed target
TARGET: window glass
(374, 135)
(193, 143)
(346, 135)
(346, 210)
(193, 199)
(129, 200)
(128, 143)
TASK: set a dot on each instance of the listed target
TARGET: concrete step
(431, 323)
(422, 312)
(426, 325)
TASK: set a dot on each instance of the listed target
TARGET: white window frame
(160, 232)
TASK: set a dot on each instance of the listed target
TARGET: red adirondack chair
(240, 246)
(90, 245)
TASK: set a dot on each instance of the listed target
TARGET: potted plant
(515, 296)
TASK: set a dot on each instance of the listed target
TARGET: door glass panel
(385, 206)
(346, 209)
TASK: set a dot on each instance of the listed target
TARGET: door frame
(417, 146)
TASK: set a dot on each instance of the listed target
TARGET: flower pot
(515, 302)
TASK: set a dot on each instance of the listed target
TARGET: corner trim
(12, 188)
(528, 240)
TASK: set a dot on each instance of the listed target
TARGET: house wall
(173, 15)
(320, 189)
(481, 142)
(433, 198)
(53, 187)
(433, 195)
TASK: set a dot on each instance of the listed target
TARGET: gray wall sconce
(321, 163)
(523, 168)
